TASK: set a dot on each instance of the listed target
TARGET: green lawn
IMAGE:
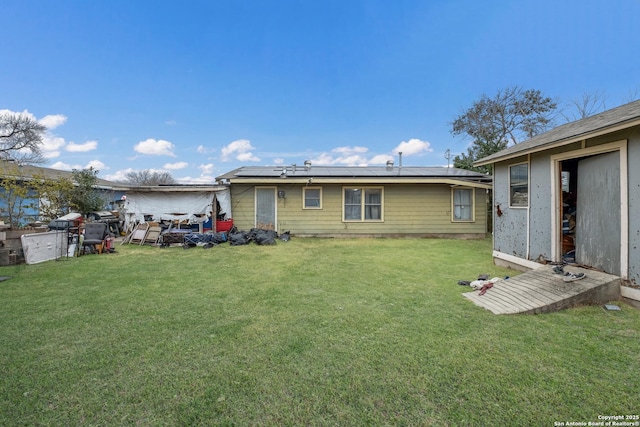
(309, 332)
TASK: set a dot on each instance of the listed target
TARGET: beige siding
(408, 209)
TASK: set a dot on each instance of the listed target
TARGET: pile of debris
(154, 234)
(235, 237)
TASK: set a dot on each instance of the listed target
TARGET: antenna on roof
(447, 155)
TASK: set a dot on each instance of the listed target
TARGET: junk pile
(153, 234)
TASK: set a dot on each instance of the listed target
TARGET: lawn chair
(95, 234)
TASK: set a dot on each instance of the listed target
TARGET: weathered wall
(634, 206)
(510, 228)
(408, 210)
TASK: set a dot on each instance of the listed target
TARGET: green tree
(15, 197)
(512, 115)
(53, 194)
(84, 197)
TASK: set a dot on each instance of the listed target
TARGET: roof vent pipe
(400, 159)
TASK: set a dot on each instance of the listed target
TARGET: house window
(362, 204)
(463, 202)
(519, 185)
(312, 197)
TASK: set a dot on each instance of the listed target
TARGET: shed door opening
(591, 215)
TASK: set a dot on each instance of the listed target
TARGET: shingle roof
(624, 116)
(29, 171)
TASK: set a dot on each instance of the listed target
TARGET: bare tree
(20, 138)
(632, 95)
(588, 105)
(149, 177)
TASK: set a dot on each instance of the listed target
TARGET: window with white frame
(362, 203)
(463, 203)
(519, 185)
(312, 197)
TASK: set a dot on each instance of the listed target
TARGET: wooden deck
(541, 291)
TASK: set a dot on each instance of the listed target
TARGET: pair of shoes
(572, 277)
(558, 269)
(463, 283)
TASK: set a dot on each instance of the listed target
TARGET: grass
(308, 332)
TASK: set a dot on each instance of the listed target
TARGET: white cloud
(346, 156)
(52, 145)
(97, 165)
(241, 149)
(348, 151)
(247, 157)
(206, 169)
(380, 159)
(357, 155)
(64, 166)
(413, 146)
(171, 123)
(176, 165)
(50, 154)
(278, 161)
(81, 148)
(323, 159)
(52, 121)
(120, 175)
(202, 149)
(154, 147)
(199, 180)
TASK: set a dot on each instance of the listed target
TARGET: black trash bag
(253, 232)
(286, 236)
(265, 237)
(238, 238)
(218, 238)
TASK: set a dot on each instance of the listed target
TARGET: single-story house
(360, 201)
(572, 194)
(196, 204)
(30, 211)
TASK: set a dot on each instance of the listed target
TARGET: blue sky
(199, 88)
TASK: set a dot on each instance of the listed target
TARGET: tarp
(193, 206)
